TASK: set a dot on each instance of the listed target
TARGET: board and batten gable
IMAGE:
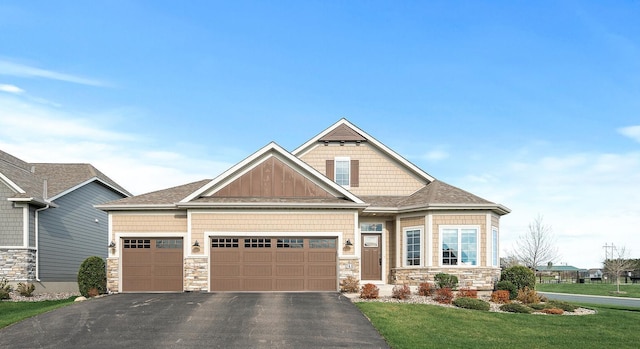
(12, 218)
(73, 231)
(379, 174)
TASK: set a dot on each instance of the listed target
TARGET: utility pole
(607, 247)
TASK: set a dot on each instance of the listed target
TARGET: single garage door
(152, 265)
(273, 264)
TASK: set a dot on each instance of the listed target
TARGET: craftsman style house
(48, 222)
(342, 204)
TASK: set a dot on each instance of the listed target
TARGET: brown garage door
(152, 265)
(273, 264)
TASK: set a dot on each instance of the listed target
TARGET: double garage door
(236, 264)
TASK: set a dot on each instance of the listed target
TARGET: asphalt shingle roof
(162, 197)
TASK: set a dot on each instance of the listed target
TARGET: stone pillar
(196, 274)
(112, 275)
(18, 265)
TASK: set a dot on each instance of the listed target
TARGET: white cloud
(436, 155)
(20, 70)
(632, 132)
(11, 89)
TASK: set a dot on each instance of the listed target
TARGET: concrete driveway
(202, 320)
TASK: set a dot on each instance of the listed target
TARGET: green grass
(12, 312)
(432, 326)
(594, 289)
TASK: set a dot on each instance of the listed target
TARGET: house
(48, 224)
(342, 204)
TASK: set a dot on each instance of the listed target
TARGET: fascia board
(268, 205)
(11, 184)
(63, 193)
(135, 207)
(500, 209)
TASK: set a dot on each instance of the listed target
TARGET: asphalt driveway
(202, 320)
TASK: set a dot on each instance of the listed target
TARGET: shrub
(508, 286)
(467, 293)
(520, 276)
(443, 295)
(553, 311)
(444, 280)
(350, 284)
(471, 303)
(516, 308)
(5, 289)
(500, 296)
(425, 289)
(26, 289)
(92, 274)
(528, 296)
(562, 305)
(538, 306)
(400, 292)
(369, 291)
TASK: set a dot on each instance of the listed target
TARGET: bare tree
(618, 264)
(509, 261)
(537, 245)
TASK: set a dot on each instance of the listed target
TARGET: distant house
(342, 204)
(48, 224)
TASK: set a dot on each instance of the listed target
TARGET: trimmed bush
(444, 280)
(562, 305)
(528, 296)
(5, 289)
(500, 296)
(425, 289)
(520, 276)
(400, 292)
(471, 303)
(369, 291)
(538, 306)
(92, 274)
(26, 289)
(508, 286)
(516, 308)
(443, 296)
(349, 284)
(467, 293)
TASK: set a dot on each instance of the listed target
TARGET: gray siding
(69, 233)
(11, 220)
(32, 226)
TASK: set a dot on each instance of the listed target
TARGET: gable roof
(166, 198)
(40, 183)
(345, 131)
(272, 149)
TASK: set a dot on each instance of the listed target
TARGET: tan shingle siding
(476, 220)
(155, 223)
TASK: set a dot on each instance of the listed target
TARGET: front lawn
(432, 326)
(594, 289)
(11, 312)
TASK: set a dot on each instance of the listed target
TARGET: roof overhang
(136, 207)
(94, 179)
(498, 209)
(33, 201)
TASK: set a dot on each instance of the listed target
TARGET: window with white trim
(459, 246)
(412, 246)
(342, 171)
(495, 260)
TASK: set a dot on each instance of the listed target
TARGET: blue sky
(535, 105)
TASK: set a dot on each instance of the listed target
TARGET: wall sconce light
(112, 245)
(196, 244)
(348, 243)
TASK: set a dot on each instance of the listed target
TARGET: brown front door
(371, 257)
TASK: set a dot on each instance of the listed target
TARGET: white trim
(488, 240)
(263, 154)
(398, 234)
(25, 223)
(11, 184)
(335, 170)
(405, 252)
(497, 249)
(429, 237)
(301, 150)
(96, 179)
(460, 227)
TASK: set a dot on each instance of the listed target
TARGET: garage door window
(134, 243)
(290, 243)
(322, 243)
(224, 242)
(257, 243)
(173, 243)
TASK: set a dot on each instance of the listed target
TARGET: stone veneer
(18, 264)
(349, 267)
(112, 275)
(196, 274)
(476, 278)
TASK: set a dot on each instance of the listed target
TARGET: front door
(371, 257)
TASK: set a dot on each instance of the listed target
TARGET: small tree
(618, 264)
(92, 277)
(537, 245)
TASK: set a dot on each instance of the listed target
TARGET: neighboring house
(342, 204)
(48, 222)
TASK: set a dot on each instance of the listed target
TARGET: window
(224, 242)
(290, 243)
(257, 243)
(133, 243)
(343, 171)
(459, 246)
(322, 243)
(495, 261)
(412, 246)
(376, 227)
(170, 243)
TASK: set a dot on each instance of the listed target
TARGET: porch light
(348, 243)
(196, 244)
(112, 244)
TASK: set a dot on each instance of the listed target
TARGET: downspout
(37, 228)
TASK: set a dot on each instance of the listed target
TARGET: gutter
(37, 238)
